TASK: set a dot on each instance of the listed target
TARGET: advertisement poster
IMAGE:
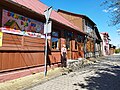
(1, 36)
(18, 24)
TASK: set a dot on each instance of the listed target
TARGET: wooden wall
(79, 52)
(112, 51)
(90, 45)
(21, 52)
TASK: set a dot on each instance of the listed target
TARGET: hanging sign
(1, 36)
(48, 27)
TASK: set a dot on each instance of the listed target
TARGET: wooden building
(91, 41)
(22, 40)
(112, 49)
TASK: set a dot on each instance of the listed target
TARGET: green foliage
(117, 50)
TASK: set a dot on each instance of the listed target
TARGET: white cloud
(110, 10)
(118, 30)
(115, 9)
(105, 11)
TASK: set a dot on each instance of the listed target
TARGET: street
(102, 75)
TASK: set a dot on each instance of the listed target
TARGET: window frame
(79, 40)
(58, 41)
(68, 35)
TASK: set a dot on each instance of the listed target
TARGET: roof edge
(79, 15)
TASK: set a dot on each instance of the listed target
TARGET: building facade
(112, 49)
(22, 39)
(92, 39)
(105, 43)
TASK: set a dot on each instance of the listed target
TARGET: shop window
(80, 38)
(68, 35)
(55, 40)
(76, 44)
(78, 41)
(68, 43)
(55, 34)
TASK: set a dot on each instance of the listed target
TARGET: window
(78, 42)
(89, 28)
(80, 38)
(68, 35)
(68, 43)
(55, 40)
(88, 46)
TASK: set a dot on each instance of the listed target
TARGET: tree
(113, 7)
(117, 50)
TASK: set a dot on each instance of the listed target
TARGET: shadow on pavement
(106, 79)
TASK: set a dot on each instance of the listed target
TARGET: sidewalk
(35, 79)
(101, 75)
(31, 80)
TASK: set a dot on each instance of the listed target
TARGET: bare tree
(113, 7)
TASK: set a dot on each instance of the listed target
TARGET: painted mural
(18, 24)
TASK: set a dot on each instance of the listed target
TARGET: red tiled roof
(39, 7)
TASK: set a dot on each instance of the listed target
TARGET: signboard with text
(18, 24)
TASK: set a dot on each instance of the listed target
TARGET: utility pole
(47, 29)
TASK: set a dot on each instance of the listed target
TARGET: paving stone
(102, 75)
(82, 79)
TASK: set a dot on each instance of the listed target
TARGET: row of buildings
(22, 38)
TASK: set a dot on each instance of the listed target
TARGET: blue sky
(93, 10)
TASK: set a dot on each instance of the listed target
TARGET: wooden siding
(22, 43)
(112, 51)
(77, 21)
(21, 52)
(76, 54)
(15, 60)
(55, 57)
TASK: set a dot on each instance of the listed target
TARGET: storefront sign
(18, 24)
(1, 37)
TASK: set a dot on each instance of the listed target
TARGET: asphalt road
(102, 75)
